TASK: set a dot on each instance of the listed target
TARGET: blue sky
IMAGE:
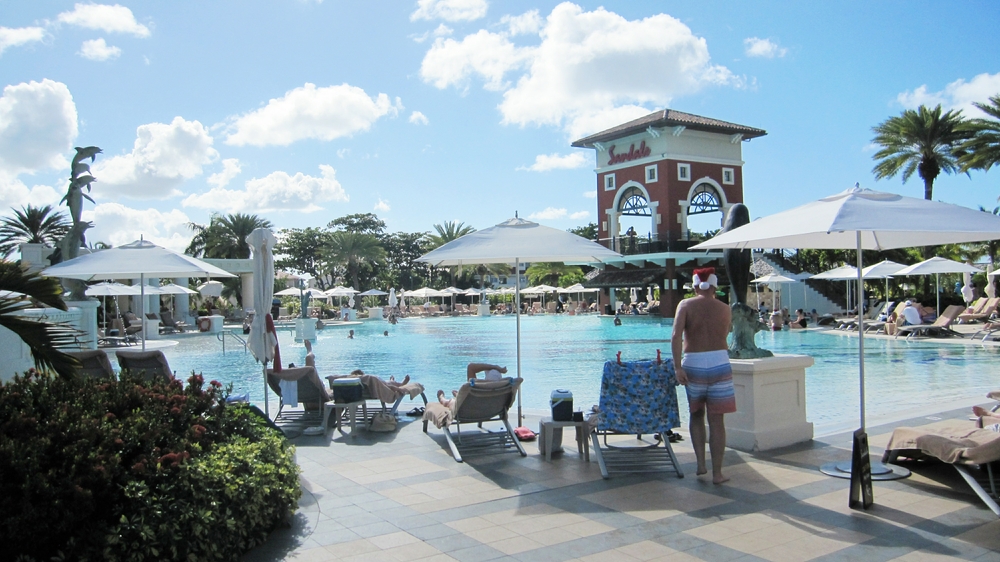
(436, 110)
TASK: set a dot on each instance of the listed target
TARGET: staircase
(816, 294)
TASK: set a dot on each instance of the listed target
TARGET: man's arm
(474, 368)
(677, 341)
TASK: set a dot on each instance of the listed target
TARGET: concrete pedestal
(216, 323)
(770, 403)
(88, 322)
(152, 330)
(484, 310)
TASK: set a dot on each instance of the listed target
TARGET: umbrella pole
(937, 289)
(142, 307)
(517, 307)
(861, 334)
(267, 400)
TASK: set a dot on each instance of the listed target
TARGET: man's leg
(697, 429)
(717, 446)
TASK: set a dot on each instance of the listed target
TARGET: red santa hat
(704, 278)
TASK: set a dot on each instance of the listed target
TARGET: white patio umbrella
(210, 289)
(862, 219)
(175, 289)
(392, 297)
(843, 273)
(373, 293)
(262, 341)
(882, 270)
(514, 241)
(110, 289)
(936, 266)
(140, 259)
(774, 278)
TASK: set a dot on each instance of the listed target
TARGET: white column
(182, 303)
(654, 207)
(247, 282)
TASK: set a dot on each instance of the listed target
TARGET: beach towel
(289, 392)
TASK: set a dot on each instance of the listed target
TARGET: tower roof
(670, 118)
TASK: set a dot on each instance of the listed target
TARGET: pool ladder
(222, 337)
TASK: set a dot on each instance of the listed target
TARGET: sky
(303, 111)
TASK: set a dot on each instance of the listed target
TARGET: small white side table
(582, 439)
(338, 407)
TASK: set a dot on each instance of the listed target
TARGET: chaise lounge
(148, 364)
(487, 401)
(940, 327)
(94, 364)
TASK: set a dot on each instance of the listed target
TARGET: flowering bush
(137, 470)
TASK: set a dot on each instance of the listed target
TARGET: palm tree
(351, 249)
(32, 225)
(43, 339)
(225, 236)
(540, 272)
(446, 232)
(982, 151)
(922, 141)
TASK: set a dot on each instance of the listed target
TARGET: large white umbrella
(862, 219)
(882, 270)
(842, 273)
(936, 266)
(110, 289)
(139, 259)
(424, 293)
(392, 297)
(210, 289)
(175, 289)
(262, 341)
(373, 293)
(514, 241)
(775, 279)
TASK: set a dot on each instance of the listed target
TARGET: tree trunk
(928, 188)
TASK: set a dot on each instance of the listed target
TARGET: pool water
(569, 352)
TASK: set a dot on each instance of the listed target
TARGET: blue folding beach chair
(637, 398)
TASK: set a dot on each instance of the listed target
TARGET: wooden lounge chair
(148, 364)
(974, 452)
(939, 327)
(984, 313)
(485, 401)
(94, 364)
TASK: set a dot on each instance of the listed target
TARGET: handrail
(222, 337)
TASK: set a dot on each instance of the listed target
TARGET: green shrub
(136, 470)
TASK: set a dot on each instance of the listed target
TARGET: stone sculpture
(745, 321)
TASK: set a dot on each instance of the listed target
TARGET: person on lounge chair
(492, 373)
(911, 316)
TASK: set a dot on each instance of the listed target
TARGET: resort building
(655, 175)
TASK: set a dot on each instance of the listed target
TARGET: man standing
(701, 325)
(968, 293)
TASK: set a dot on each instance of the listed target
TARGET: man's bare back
(704, 323)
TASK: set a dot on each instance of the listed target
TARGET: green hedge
(136, 470)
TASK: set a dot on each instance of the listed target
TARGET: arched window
(704, 199)
(633, 203)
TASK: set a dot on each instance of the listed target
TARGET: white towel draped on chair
(289, 393)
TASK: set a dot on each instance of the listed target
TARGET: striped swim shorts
(710, 382)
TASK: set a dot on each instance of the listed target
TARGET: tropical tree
(225, 236)
(924, 141)
(550, 272)
(42, 338)
(589, 232)
(982, 151)
(363, 223)
(352, 250)
(446, 232)
(401, 268)
(302, 250)
(32, 225)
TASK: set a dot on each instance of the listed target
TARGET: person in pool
(491, 373)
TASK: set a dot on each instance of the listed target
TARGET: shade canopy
(111, 289)
(515, 241)
(175, 289)
(938, 265)
(885, 221)
(842, 273)
(881, 270)
(294, 292)
(141, 258)
(340, 291)
(373, 293)
(773, 278)
(425, 293)
(518, 240)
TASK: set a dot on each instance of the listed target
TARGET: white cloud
(117, 224)
(546, 162)
(524, 24)
(587, 67)
(343, 152)
(580, 215)
(311, 113)
(98, 49)
(163, 157)
(956, 95)
(450, 10)
(550, 213)
(230, 169)
(277, 191)
(590, 194)
(418, 118)
(110, 19)
(38, 124)
(17, 36)
(757, 47)
(14, 193)
(382, 206)
(441, 30)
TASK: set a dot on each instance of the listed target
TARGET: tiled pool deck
(401, 496)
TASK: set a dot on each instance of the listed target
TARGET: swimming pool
(570, 351)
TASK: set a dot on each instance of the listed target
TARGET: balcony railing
(632, 245)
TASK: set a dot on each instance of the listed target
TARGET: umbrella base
(880, 471)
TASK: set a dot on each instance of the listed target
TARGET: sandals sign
(633, 154)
